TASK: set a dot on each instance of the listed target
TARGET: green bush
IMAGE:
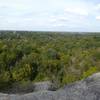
(89, 72)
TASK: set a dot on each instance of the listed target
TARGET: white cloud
(98, 17)
(53, 19)
(78, 11)
(63, 18)
(58, 25)
(59, 18)
(29, 14)
(97, 7)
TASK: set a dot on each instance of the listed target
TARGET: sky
(50, 15)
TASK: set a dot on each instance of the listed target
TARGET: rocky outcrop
(88, 89)
(17, 88)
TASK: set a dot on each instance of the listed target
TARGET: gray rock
(88, 89)
(47, 85)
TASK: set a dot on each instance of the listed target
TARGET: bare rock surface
(88, 89)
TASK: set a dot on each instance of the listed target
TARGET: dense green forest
(40, 56)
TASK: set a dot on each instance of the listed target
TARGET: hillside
(62, 58)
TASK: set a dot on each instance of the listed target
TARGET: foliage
(90, 71)
(38, 56)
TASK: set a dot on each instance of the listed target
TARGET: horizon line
(52, 31)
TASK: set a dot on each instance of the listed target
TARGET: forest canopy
(40, 56)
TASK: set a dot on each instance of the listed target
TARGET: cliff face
(88, 89)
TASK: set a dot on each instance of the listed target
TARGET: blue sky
(50, 15)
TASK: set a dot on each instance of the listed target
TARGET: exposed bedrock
(88, 89)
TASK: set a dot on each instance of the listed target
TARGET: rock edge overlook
(87, 89)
